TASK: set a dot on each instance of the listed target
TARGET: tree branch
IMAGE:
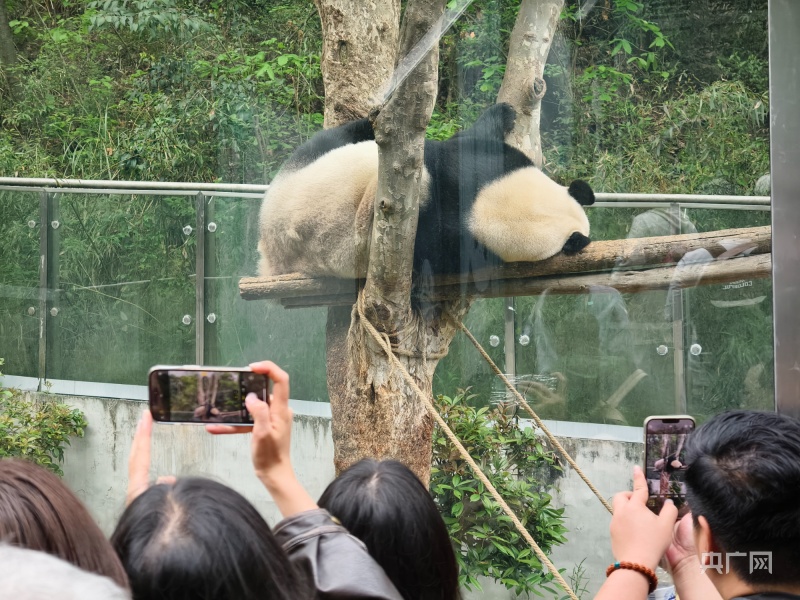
(523, 84)
(359, 49)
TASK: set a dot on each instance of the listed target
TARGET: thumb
(257, 408)
(668, 515)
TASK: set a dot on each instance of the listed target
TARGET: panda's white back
(310, 220)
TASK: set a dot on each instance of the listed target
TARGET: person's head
(34, 575)
(387, 507)
(39, 512)
(743, 487)
(199, 539)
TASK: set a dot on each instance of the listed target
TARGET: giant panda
(483, 203)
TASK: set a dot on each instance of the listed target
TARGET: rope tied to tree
(383, 342)
(539, 423)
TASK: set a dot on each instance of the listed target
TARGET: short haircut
(744, 478)
(386, 506)
(38, 511)
(34, 575)
(199, 539)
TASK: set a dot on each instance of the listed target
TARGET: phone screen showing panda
(665, 460)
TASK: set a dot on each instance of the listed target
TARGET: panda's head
(526, 216)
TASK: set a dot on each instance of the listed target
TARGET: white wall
(96, 469)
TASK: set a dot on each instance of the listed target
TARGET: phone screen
(180, 395)
(665, 460)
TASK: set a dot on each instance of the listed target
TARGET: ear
(581, 191)
(703, 539)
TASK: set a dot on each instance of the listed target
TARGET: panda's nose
(575, 243)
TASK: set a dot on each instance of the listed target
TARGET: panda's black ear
(581, 191)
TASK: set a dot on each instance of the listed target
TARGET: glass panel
(19, 282)
(730, 357)
(122, 283)
(464, 367)
(243, 332)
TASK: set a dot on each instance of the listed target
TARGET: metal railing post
(200, 280)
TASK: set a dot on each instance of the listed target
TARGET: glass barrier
(653, 109)
(21, 306)
(121, 275)
(241, 332)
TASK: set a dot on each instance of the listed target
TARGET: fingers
(280, 382)
(228, 429)
(639, 485)
(668, 514)
(257, 408)
(139, 461)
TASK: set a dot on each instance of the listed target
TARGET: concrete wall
(96, 469)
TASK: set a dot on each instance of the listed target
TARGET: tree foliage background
(662, 96)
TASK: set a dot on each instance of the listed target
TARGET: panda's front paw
(575, 243)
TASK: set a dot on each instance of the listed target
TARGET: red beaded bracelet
(649, 573)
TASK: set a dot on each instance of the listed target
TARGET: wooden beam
(758, 266)
(620, 256)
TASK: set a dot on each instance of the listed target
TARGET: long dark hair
(200, 540)
(387, 507)
(39, 512)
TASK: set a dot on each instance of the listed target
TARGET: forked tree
(376, 413)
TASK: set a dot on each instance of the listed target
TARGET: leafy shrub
(36, 429)
(522, 470)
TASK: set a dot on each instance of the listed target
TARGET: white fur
(310, 220)
(526, 216)
(318, 220)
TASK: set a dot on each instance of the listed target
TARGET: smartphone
(193, 394)
(665, 459)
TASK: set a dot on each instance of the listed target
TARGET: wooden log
(758, 266)
(636, 253)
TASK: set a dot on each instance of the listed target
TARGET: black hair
(200, 540)
(744, 478)
(387, 507)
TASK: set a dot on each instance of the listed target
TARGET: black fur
(581, 191)
(329, 139)
(459, 168)
(575, 243)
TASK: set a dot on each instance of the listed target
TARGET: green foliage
(151, 17)
(516, 462)
(37, 429)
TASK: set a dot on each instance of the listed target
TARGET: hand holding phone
(200, 395)
(665, 459)
(272, 434)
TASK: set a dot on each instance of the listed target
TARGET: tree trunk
(359, 49)
(380, 415)
(523, 84)
(8, 52)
